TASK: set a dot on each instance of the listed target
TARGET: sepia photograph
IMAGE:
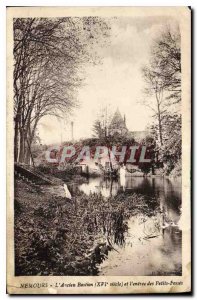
(98, 104)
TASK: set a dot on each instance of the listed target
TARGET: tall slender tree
(162, 78)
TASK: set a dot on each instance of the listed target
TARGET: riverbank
(58, 236)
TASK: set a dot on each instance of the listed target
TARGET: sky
(116, 83)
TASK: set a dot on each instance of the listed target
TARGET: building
(118, 127)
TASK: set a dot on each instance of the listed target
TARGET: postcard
(98, 150)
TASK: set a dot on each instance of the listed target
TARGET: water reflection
(167, 190)
(150, 245)
(148, 250)
(106, 187)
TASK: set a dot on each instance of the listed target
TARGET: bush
(177, 171)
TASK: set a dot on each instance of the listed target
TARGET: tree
(166, 53)
(162, 77)
(172, 148)
(49, 56)
(101, 124)
(98, 129)
(155, 88)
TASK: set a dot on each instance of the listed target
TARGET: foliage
(101, 125)
(55, 236)
(99, 129)
(163, 96)
(167, 62)
(177, 170)
(49, 55)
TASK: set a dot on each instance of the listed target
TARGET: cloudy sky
(117, 82)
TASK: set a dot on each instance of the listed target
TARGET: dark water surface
(152, 245)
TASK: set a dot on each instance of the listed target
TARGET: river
(152, 244)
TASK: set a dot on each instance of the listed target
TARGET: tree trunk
(159, 118)
(22, 146)
(27, 156)
(160, 128)
(16, 138)
(28, 153)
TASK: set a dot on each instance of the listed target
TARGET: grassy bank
(57, 236)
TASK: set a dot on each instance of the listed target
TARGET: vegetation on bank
(57, 236)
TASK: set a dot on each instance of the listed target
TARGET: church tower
(118, 124)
